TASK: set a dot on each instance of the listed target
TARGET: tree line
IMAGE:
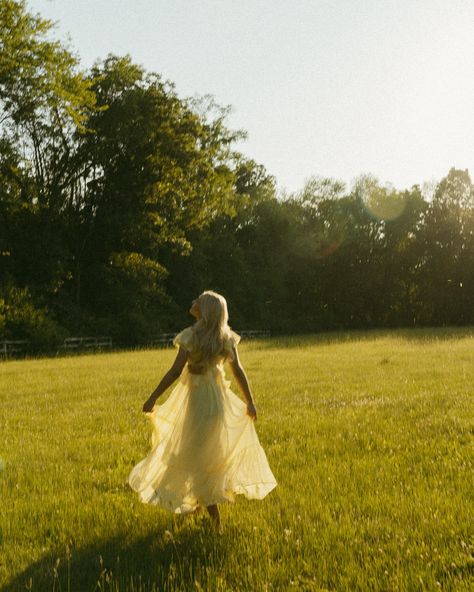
(120, 202)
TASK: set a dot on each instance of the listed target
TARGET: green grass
(370, 437)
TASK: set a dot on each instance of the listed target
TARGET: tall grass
(370, 437)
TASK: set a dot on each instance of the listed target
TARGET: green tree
(224, 253)
(153, 170)
(44, 100)
(447, 263)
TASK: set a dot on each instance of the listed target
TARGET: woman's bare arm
(168, 379)
(242, 381)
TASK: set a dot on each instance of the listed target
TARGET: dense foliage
(120, 202)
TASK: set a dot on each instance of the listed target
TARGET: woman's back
(197, 364)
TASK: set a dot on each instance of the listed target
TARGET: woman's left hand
(251, 411)
(149, 404)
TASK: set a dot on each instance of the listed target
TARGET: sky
(330, 88)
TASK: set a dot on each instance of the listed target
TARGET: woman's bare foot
(215, 517)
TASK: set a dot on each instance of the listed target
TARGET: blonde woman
(204, 445)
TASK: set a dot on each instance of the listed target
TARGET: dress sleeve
(184, 339)
(231, 342)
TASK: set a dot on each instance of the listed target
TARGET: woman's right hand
(251, 411)
(149, 404)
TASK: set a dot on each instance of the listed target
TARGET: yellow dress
(204, 445)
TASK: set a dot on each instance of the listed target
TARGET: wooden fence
(81, 343)
(166, 339)
(254, 334)
(163, 340)
(13, 347)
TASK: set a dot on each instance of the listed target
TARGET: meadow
(370, 437)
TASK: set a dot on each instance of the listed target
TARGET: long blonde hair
(212, 329)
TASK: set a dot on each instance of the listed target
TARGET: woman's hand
(251, 411)
(149, 404)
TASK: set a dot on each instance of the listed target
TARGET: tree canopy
(120, 201)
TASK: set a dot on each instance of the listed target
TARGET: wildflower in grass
(168, 536)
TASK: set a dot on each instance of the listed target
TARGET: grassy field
(370, 437)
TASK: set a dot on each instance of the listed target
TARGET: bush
(20, 318)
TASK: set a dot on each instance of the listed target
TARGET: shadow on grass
(172, 558)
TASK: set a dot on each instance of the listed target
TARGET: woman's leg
(214, 514)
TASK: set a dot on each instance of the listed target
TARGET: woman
(204, 445)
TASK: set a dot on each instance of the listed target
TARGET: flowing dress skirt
(205, 448)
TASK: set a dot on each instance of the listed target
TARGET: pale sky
(332, 88)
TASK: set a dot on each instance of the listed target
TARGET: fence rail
(166, 339)
(78, 343)
(254, 334)
(163, 340)
(10, 347)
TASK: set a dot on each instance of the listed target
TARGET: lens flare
(383, 205)
(328, 249)
(332, 237)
